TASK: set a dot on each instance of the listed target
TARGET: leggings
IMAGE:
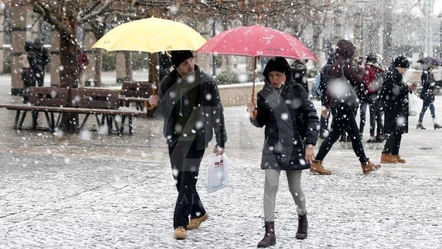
(271, 187)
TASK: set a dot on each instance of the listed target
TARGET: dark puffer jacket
(428, 85)
(209, 110)
(282, 113)
(395, 95)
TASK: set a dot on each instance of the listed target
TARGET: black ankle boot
(269, 237)
(437, 126)
(420, 126)
(302, 227)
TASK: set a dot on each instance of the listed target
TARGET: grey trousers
(271, 188)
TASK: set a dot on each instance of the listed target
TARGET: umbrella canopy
(151, 35)
(430, 60)
(257, 41)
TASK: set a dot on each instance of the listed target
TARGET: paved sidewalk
(97, 191)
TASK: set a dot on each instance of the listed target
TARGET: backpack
(316, 87)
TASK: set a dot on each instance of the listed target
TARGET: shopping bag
(412, 104)
(217, 172)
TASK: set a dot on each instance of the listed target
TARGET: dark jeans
(362, 112)
(324, 124)
(376, 121)
(393, 144)
(185, 160)
(427, 103)
(343, 120)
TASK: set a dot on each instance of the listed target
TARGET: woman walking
(291, 131)
(427, 95)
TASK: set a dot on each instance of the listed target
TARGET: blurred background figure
(427, 95)
(373, 80)
(25, 60)
(299, 71)
(41, 60)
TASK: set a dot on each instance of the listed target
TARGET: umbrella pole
(254, 114)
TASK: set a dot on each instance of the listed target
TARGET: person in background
(191, 106)
(342, 101)
(27, 75)
(427, 95)
(373, 83)
(83, 61)
(325, 113)
(284, 108)
(299, 71)
(42, 59)
(165, 65)
(395, 95)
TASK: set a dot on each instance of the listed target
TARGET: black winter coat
(282, 113)
(395, 95)
(428, 85)
(209, 110)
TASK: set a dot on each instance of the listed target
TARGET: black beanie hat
(179, 56)
(278, 64)
(401, 61)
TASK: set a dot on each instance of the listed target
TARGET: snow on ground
(102, 191)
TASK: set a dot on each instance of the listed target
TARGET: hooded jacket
(208, 109)
(284, 113)
(344, 52)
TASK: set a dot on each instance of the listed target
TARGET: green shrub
(232, 77)
(312, 73)
(108, 62)
(6, 63)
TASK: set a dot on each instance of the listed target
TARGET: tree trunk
(128, 65)
(69, 75)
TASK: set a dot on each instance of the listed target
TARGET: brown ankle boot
(195, 223)
(369, 167)
(269, 238)
(399, 159)
(388, 158)
(317, 168)
(302, 227)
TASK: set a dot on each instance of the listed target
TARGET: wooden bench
(139, 93)
(52, 100)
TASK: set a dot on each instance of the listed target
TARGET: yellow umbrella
(151, 35)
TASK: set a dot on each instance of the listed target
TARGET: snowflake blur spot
(284, 116)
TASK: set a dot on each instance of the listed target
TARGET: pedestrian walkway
(97, 191)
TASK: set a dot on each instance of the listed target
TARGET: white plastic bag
(217, 177)
(413, 105)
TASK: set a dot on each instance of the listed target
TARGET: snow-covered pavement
(98, 191)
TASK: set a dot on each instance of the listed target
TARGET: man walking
(42, 59)
(190, 103)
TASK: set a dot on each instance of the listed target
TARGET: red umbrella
(256, 41)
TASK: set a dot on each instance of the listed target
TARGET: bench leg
(50, 123)
(84, 121)
(130, 125)
(123, 119)
(22, 119)
(17, 117)
(34, 119)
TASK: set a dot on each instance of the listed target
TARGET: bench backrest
(140, 89)
(94, 98)
(48, 96)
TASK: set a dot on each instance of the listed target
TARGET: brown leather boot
(317, 168)
(196, 222)
(369, 167)
(269, 238)
(302, 227)
(388, 158)
(180, 233)
(399, 159)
